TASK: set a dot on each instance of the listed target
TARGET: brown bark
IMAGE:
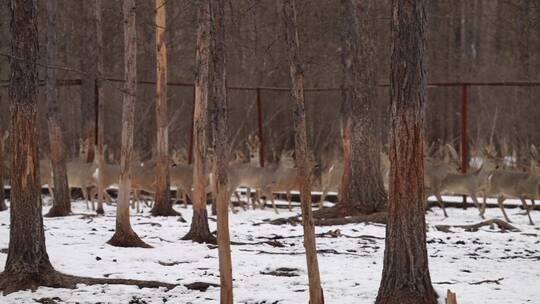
(88, 66)
(61, 203)
(3, 205)
(199, 231)
(218, 122)
(124, 235)
(162, 205)
(362, 188)
(101, 106)
(405, 277)
(301, 148)
(27, 264)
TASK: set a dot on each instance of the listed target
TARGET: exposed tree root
(379, 217)
(504, 226)
(164, 210)
(12, 283)
(57, 211)
(127, 239)
(199, 231)
(202, 238)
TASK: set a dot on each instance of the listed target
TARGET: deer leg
(289, 199)
(323, 197)
(239, 199)
(500, 201)
(526, 207)
(484, 206)
(475, 200)
(87, 198)
(441, 203)
(248, 197)
(184, 198)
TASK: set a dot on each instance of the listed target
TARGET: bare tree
(124, 235)
(199, 231)
(218, 100)
(27, 264)
(88, 66)
(162, 205)
(101, 105)
(362, 188)
(405, 277)
(301, 148)
(61, 203)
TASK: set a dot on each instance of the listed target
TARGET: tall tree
(61, 203)
(301, 148)
(124, 235)
(218, 100)
(362, 187)
(27, 264)
(405, 277)
(162, 205)
(199, 231)
(101, 105)
(88, 66)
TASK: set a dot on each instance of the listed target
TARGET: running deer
(181, 176)
(435, 172)
(520, 185)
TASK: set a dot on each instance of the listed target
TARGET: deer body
(521, 185)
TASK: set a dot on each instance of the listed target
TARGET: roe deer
(521, 185)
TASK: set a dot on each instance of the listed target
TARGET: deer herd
(489, 176)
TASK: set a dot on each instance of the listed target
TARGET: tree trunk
(61, 203)
(162, 205)
(101, 106)
(405, 277)
(27, 264)
(124, 235)
(301, 149)
(362, 188)
(3, 205)
(88, 66)
(199, 231)
(218, 99)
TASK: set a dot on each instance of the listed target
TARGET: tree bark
(27, 264)
(162, 205)
(88, 66)
(405, 277)
(218, 122)
(362, 187)
(61, 203)
(101, 106)
(3, 205)
(124, 235)
(301, 148)
(199, 231)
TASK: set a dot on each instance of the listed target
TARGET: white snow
(77, 245)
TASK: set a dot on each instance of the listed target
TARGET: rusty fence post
(463, 137)
(260, 126)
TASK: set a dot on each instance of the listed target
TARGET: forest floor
(487, 266)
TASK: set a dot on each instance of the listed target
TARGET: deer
(331, 176)
(435, 172)
(520, 185)
(46, 175)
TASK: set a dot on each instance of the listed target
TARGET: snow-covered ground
(350, 267)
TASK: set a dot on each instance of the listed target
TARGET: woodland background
(468, 40)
